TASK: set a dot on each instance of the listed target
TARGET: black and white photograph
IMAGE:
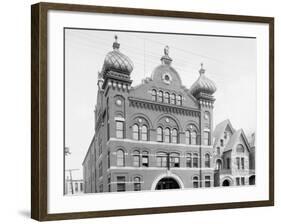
(148, 111)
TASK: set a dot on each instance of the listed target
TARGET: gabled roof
(234, 138)
(220, 128)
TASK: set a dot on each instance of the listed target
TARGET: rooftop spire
(116, 45)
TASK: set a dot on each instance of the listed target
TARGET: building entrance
(167, 183)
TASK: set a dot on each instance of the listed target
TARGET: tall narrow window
(108, 160)
(174, 136)
(154, 95)
(195, 160)
(173, 98)
(160, 98)
(238, 163)
(221, 141)
(76, 187)
(120, 158)
(136, 158)
(121, 183)
(207, 161)
(187, 137)
(109, 184)
(167, 97)
(160, 134)
(195, 181)
(119, 129)
(135, 132)
(161, 159)
(242, 163)
(144, 133)
(137, 184)
(242, 180)
(188, 160)
(174, 160)
(237, 181)
(167, 137)
(207, 181)
(206, 138)
(179, 100)
(145, 158)
(100, 169)
(193, 138)
(228, 163)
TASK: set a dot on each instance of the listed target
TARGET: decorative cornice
(168, 108)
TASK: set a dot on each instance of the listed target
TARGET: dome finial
(202, 70)
(166, 50)
(166, 60)
(116, 45)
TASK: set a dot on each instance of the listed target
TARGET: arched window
(167, 137)
(120, 158)
(144, 133)
(173, 98)
(174, 136)
(135, 132)
(161, 159)
(160, 96)
(179, 100)
(188, 160)
(154, 95)
(207, 160)
(193, 138)
(136, 158)
(137, 184)
(167, 97)
(195, 181)
(187, 137)
(144, 159)
(195, 160)
(160, 134)
(174, 160)
(240, 148)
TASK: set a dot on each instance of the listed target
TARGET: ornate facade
(156, 135)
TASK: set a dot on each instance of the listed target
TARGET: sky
(229, 61)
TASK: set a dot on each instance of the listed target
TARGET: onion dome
(116, 61)
(203, 84)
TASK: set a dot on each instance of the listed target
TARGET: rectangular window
(109, 184)
(121, 185)
(207, 181)
(238, 163)
(76, 187)
(195, 161)
(238, 181)
(81, 187)
(108, 160)
(188, 161)
(100, 169)
(145, 160)
(242, 180)
(174, 162)
(206, 138)
(242, 163)
(228, 163)
(161, 161)
(136, 160)
(119, 129)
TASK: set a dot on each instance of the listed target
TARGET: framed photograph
(139, 111)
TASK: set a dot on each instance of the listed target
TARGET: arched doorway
(167, 183)
(226, 183)
(252, 180)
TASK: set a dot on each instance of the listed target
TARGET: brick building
(156, 135)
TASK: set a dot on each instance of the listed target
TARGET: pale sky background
(229, 62)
